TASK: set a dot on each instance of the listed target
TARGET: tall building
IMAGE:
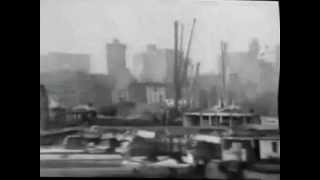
(235, 88)
(169, 55)
(246, 67)
(58, 61)
(116, 57)
(269, 77)
(153, 65)
(156, 65)
(117, 69)
(245, 63)
(74, 88)
(269, 68)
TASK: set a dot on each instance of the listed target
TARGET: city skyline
(77, 31)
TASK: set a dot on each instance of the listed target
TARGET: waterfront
(182, 90)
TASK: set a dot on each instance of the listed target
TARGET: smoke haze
(85, 26)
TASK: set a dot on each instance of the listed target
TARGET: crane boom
(186, 63)
(181, 41)
(181, 54)
(190, 40)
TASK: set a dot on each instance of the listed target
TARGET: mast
(181, 58)
(223, 68)
(176, 67)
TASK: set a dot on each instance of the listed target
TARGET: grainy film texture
(159, 89)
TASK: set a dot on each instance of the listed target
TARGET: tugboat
(221, 117)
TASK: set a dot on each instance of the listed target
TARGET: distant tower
(116, 57)
(121, 76)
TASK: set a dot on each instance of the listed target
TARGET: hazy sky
(85, 26)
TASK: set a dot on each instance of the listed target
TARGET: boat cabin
(218, 117)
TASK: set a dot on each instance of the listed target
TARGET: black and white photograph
(184, 89)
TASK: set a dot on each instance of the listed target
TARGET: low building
(58, 61)
(155, 64)
(72, 88)
(147, 93)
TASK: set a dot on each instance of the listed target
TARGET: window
(205, 121)
(252, 120)
(248, 120)
(206, 118)
(195, 120)
(236, 145)
(237, 121)
(274, 147)
(214, 121)
(226, 121)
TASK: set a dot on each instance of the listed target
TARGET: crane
(187, 60)
(176, 66)
(181, 54)
(181, 63)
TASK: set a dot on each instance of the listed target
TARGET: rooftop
(232, 110)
